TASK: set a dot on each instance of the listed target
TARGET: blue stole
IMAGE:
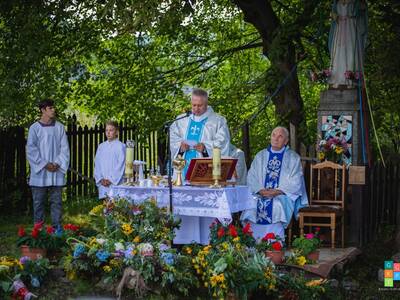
(264, 205)
(193, 133)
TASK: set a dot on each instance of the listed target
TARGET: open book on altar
(200, 170)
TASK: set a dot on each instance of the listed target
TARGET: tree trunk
(280, 51)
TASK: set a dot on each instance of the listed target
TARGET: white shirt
(109, 164)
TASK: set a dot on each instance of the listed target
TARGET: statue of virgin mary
(347, 39)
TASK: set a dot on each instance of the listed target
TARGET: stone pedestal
(336, 103)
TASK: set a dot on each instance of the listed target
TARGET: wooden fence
(83, 143)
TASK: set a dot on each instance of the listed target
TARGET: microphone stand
(167, 128)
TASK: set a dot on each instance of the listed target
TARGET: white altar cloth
(217, 203)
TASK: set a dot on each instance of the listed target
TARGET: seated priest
(195, 136)
(109, 163)
(276, 180)
(241, 167)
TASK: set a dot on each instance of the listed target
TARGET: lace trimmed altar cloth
(193, 201)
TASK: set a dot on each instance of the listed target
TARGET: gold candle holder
(178, 164)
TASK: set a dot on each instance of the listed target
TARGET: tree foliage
(133, 60)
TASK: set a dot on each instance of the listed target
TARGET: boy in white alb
(109, 163)
(47, 151)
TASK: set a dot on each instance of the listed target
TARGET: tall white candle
(216, 162)
(129, 161)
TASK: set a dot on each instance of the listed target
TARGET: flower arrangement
(353, 75)
(40, 237)
(220, 233)
(331, 149)
(225, 269)
(320, 76)
(270, 242)
(307, 243)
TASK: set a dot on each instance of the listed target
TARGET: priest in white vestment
(109, 163)
(47, 151)
(196, 136)
(276, 179)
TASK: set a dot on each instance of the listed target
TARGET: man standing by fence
(48, 155)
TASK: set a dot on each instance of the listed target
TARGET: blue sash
(264, 205)
(193, 133)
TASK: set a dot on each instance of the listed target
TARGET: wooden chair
(326, 197)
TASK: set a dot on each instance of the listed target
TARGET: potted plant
(231, 233)
(308, 245)
(35, 244)
(271, 245)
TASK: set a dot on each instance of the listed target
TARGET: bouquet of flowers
(332, 149)
(270, 242)
(353, 75)
(308, 243)
(220, 233)
(320, 76)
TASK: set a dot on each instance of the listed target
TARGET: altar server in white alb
(47, 151)
(109, 163)
(196, 136)
(276, 179)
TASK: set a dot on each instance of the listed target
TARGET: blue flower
(102, 255)
(168, 258)
(35, 282)
(59, 231)
(79, 250)
(128, 252)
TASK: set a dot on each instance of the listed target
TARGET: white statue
(347, 40)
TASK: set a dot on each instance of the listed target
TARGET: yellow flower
(127, 228)
(114, 262)
(96, 210)
(236, 239)
(93, 242)
(301, 261)
(315, 282)
(136, 239)
(71, 275)
(107, 269)
(338, 150)
(321, 155)
(188, 250)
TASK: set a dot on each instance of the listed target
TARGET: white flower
(101, 241)
(148, 228)
(119, 246)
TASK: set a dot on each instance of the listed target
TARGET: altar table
(193, 201)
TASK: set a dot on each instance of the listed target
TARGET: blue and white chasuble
(264, 205)
(193, 133)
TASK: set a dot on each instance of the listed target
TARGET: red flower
(269, 236)
(50, 229)
(232, 231)
(38, 225)
(21, 231)
(220, 232)
(71, 227)
(277, 246)
(247, 229)
(317, 229)
(35, 233)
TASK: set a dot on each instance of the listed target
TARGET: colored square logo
(388, 273)
(388, 264)
(396, 267)
(388, 282)
(396, 276)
